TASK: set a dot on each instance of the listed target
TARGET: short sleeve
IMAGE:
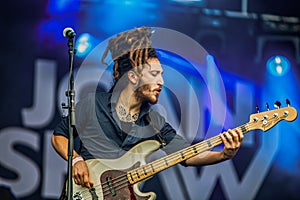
(174, 142)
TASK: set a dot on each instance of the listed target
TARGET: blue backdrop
(207, 89)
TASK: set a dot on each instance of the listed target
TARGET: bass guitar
(119, 179)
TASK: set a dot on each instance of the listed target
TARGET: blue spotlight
(278, 65)
(189, 2)
(63, 6)
(84, 44)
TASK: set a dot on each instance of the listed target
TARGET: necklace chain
(127, 117)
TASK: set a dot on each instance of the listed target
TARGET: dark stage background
(239, 37)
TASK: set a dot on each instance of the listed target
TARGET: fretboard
(152, 168)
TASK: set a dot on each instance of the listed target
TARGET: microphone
(69, 32)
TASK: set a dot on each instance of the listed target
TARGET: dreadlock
(130, 51)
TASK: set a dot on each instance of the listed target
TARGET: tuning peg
(267, 105)
(288, 103)
(257, 109)
(277, 104)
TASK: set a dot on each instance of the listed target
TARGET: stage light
(280, 88)
(84, 44)
(194, 2)
(62, 6)
(278, 65)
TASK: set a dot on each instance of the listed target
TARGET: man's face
(150, 82)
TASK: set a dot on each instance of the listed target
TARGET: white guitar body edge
(98, 166)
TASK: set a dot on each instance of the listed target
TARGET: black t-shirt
(103, 135)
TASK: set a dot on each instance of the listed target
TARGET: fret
(166, 161)
(152, 167)
(161, 164)
(243, 127)
(137, 173)
(182, 155)
(145, 172)
(208, 143)
(195, 149)
(131, 176)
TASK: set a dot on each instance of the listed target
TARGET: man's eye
(154, 73)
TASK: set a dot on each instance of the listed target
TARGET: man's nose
(160, 80)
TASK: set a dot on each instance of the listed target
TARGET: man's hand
(80, 174)
(232, 140)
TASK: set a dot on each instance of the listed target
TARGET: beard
(147, 94)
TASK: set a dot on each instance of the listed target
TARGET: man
(110, 124)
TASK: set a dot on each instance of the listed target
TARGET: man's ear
(133, 77)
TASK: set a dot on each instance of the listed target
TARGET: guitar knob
(288, 103)
(77, 196)
(267, 105)
(257, 109)
(277, 104)
(255, 119)
(275, 115)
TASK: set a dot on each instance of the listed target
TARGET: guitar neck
(154, 167)
(263, 121)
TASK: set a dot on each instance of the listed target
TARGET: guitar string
(119, 181)
(189, 151)
(160, 163)
(127, 183)
(123, 181)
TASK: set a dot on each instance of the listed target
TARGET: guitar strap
(161, 140)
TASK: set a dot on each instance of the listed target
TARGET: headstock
(266, 120)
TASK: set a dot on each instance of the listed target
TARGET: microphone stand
(70, 93)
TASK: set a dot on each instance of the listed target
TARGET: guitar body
(110, 179)
(119, 179)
